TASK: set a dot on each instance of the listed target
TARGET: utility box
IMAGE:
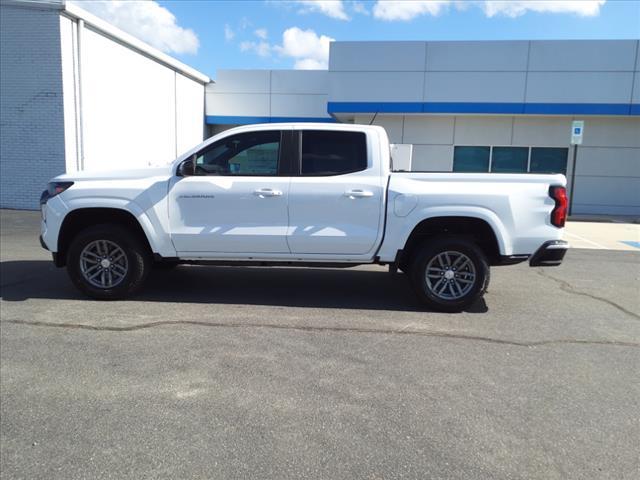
(401, 155)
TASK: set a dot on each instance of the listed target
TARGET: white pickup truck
(302, 194)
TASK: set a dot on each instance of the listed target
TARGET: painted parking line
(585, 240)
(600, 235)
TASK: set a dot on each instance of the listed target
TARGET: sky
(245, 34)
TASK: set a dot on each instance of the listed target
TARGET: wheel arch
(79, 219)
(479, 229)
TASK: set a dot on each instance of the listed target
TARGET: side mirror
(187, 168)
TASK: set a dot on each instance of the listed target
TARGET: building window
(333, 152)
(509, 159)
(471, 159)
(549, 160)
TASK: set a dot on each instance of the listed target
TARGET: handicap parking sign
(577, 130)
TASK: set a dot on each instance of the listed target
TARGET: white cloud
(261, 33)
(358, 7)
(229, 34)
(331, 8)
(261, 48)
(146, 20)
(310, 50)
(407, 9)
(515, 8)
(310, 64)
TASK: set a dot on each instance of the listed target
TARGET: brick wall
(31, 107)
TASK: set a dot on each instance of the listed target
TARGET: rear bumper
(550, 254)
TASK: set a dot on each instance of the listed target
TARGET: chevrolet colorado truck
(302, 194)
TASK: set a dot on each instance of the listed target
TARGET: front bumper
(550, 254)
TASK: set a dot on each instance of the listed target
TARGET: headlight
(53, 189)
(56, 188)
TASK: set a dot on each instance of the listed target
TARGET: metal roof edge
(35, 4)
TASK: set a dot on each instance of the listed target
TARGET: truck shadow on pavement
(269, 286)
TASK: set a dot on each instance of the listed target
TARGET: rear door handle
(267, 192)
(358, 193)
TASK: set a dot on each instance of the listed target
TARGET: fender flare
(128, 206)
(499, 230)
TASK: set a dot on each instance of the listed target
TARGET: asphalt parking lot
(294, 373)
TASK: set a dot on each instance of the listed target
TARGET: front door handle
(267, 192)
(358, 193)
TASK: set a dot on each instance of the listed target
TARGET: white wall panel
(68, 56)
(474, 86)
(603, 194)
(428, 129)
(392, 124)
(128, 106)
(576, 87)
(483, 131)
(300, 81)
(375, 86)
(299, 106)
(238, 104)
(542, 131)
(241, 81)
(580, 209)
(363, 118)
(377, 56)
(582, 55)
(432, 158)
(611, 132)
(477, 56)
(189, 113)
(606, 161)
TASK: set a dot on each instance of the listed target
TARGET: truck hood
(127, 174)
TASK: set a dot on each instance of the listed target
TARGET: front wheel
(107, 262)
(449, 273)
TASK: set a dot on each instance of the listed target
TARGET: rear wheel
(449, 273)
(107, 262)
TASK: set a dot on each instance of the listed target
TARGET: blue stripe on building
(486, 108)
(241, 120)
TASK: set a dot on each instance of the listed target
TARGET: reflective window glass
(509, 159)
(549, 160)
(471, 159)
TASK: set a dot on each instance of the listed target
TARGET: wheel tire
(138, 261)
(458, 248)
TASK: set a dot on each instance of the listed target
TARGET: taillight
(559, 212)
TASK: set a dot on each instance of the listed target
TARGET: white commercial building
(77, 93)
(504, 106)
(500, 106)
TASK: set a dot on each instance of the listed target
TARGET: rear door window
(328, 152)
